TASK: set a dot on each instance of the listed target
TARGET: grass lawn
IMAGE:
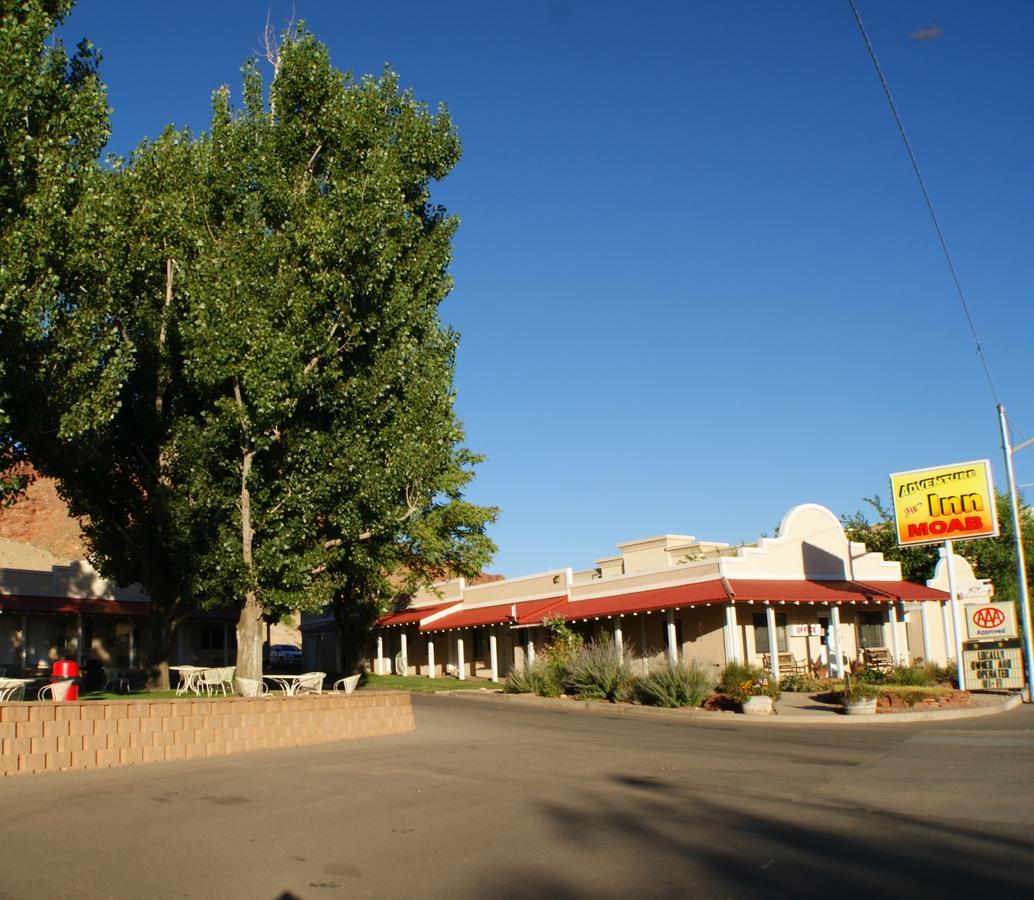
(136, 695)
(427, 685)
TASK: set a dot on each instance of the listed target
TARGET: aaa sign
(944, 503)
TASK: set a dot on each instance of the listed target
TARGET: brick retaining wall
(47, 736)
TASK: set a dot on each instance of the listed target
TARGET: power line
(926, 197)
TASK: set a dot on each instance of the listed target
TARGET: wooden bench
(788, 664)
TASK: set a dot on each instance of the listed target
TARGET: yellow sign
(945, 503)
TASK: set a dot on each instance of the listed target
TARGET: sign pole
(1020, 561)
(959, 665)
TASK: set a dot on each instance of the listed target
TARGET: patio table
(189, 677)
(287, 683)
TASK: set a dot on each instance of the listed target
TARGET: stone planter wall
(46, 736)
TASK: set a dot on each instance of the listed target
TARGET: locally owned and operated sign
(990, 621)
(993, 665)
(944, 503)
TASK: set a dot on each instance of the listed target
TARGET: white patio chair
(311, 683)
(347, 684)
(211, 680)
(11, 689)
(228, 678)
(56, 691)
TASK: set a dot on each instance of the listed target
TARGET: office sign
(944, 503)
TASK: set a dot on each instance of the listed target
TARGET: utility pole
(1021, 563)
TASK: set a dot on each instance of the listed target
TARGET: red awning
(802, 591)
(412, 616)
(498, 614)
(640, 602)
(75, 606)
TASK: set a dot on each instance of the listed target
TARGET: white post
(459, 657)
(80, 637)
(955, 613)
(773, 645)
(1021, 565)
(731, 655)
(892, 621)
(132, 648)
(379, 667)
(834, 626)
(926, 633)
(948, 642)
(403, 646)
(493, 652)
(673, 650)
(430, 656)
(642, 642)
(531, 650)
(25, 639)
(619, 639)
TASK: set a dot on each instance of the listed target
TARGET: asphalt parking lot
(495, 799)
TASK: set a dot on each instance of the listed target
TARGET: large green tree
(265, 414)
(993, 558)
(53, 123)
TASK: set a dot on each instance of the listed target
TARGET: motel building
(808, 596)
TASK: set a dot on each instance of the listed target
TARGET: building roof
(74, 605)
(497, 614)
(412, 616)
(749, 590)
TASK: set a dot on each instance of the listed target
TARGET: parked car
(285, 655)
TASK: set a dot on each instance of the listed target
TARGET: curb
(694, 716)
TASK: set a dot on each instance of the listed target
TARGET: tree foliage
(251, 395)
(993, 558)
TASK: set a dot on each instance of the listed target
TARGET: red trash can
(66, 670)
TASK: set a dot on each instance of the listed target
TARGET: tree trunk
(249, 625)
(250, 634)
(159, 652)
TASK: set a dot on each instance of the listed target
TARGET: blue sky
(696, 283)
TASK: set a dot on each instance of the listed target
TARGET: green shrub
(804, 683)
(916, 676)
(597, 671)
(869, 675)
(545, 676)
(675, 686)
(734, 674)
(948, 674)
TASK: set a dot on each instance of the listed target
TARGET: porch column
(25, 640)
(892, 621)
(773, 644)
(403, 644)
(926, 632)
(132, 647)
(642, 644)
(531, 650)
(834, 626)
(729, 633)
(459, 657)
(80, 638)
(379, 665)
(673, 650)
(493, 652)
(619, 639)
(430, 656)
(949, 644)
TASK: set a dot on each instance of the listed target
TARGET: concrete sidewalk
(790, 708)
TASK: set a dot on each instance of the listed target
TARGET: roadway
(497, 799)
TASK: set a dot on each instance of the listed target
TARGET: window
(761, 633)
(824, 625)
(870, 630)
(477, 644)
(212, 637)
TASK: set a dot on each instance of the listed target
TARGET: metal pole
(949, 557)
(1021, 563)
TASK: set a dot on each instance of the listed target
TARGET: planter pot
(757, 706)
(861, 708)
